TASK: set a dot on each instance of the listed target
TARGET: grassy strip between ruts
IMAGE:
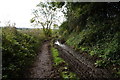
(61, 65)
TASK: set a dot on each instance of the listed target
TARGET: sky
(17, 11)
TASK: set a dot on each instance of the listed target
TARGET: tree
(94, 28)
(46, 15)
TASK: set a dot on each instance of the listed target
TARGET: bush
(18, 52)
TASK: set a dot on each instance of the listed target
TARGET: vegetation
(37, 33)
(94, 28)
(61, 65)
(48, 19)
(89, 27)
(57, 60)
(19, 50)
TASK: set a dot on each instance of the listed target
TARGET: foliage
(63, 69)
(45, 16)
(57, 60)
(18, 52)
(94, 28)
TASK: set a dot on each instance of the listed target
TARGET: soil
(42, 67)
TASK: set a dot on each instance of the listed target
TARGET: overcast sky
(18, 11)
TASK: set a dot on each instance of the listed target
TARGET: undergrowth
(18, 52)
(62, 66)
(105, 49)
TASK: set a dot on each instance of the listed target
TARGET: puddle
(61, 45)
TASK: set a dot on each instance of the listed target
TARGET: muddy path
(42, 67)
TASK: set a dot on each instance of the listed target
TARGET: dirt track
(42, 67)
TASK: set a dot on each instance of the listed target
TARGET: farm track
(42, 67)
